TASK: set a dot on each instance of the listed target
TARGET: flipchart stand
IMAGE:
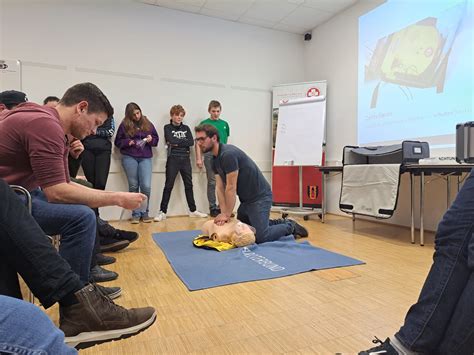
(301, 141)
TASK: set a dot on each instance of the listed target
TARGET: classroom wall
(332, 55)
(156, 57)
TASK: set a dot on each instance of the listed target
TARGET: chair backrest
(25, 192)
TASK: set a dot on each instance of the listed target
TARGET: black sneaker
(104, 259)
(126, 235)
(111, 244)
(111, 292)
(214, 212)
(99, 274)
(298, 230)
(384, 347)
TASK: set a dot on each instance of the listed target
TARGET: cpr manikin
(235, 232)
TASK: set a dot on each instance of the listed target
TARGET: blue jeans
(77, 226)
(442, 320)
(25, 329)
(138, 171)
(257, 214)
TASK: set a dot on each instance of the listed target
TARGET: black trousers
(174, 165)
(74, 165)
(25, 249)
(96, 166)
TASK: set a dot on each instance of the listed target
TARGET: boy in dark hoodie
(179, 140)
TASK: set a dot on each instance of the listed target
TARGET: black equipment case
(465, 142)
(405, 153)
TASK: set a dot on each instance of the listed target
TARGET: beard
(206, 149)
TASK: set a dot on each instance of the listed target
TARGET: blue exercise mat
(201, 268)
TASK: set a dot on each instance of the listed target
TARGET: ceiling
(294, 16)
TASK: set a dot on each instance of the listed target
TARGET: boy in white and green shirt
(223, 130)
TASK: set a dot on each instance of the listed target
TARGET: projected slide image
(415, 70)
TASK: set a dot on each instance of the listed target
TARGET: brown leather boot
(96, 318)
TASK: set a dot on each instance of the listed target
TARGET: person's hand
(199, 164)
(130, 200)
(148, 138)
(221, 219)
(76, 148)
(132, 142)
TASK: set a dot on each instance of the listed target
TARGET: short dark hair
(12, 98)
(49, 99)
(210, 130)
(96, 99)
(214, 103)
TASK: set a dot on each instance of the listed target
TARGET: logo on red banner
(312, 192)
(313, 92)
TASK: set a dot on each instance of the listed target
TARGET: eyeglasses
(200, 139)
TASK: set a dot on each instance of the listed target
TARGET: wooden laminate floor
(327, 312)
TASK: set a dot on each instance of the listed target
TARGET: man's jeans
(25, 329)
(26, 250)
(442, 321)
(257, 214)
(211, 180)
(77, 226)
(138, 171)
(174, 165)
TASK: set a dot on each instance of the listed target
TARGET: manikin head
(243, 235)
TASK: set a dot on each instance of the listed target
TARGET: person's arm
(189, 141)
(121, 139)
(229, 196)
(220, 191)
(72, 193)
(76, 148)
(107, 129)
(168, 135)
(199, 162)
(154, 137)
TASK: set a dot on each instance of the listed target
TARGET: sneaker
(161, 216)
(197, 214)
(99, 274)
(384, 347)
(214, 212)
(298, 230)
(111, 244)
(104, 259)
(125, 235)
(111, 292)
(147, 219)
(96, 318)
(135, 220)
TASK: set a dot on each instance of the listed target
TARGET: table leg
(422, 206)
(323, 198)
(412, 187)
(448, 191)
